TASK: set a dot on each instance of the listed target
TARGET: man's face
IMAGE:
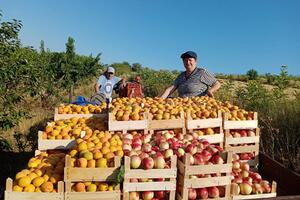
(189, 64)
(110, 75)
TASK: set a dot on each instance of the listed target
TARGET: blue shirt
(106, 85)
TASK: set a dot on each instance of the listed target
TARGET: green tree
(252, 74)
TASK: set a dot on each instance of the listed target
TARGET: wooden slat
(243, 149)
(166, 124)
(107, 195)
(127, 125)
(254, 196)
(243, 124)
(150, 186)
(208, 169)
(242, 140)
(69, 116)
(216, 138)
(203, 123)
(207, 182)
(44, 144)
(151, 173)
(10, 195)
(75, 174)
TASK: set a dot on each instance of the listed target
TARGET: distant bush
(252, 74)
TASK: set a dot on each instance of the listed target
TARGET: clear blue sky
(229, 36)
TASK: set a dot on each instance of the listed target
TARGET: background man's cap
(111, 70)
(189, 54)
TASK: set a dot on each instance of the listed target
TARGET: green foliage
(252, 74)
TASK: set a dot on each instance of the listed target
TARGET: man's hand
(210, 94)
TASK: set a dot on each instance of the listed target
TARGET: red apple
(243, 133)
(191, 149)
(192, 194)
(148, 195)
(199, 160)
(148, 163)
(235, 157)
(136, 146)
(216, 159)
(136, 140)
(256, 176)
(159, 194)
(221, 191)
(144, 155)
(147, 147)
(257, 188)
(213, 192)
(126, 147)
(265, 186)
(251, 133)
(202, 193)
(206, 155)
(245, 166)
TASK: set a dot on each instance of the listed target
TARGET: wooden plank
(208, 169)
(127, 125)
(149, 186)
(166, 124)
(203, 123)
(107, 195)
(45, 144)
(10, 195)
(207, 182)
(243, 149)
(242, 140)
(76, 174)
(242, 124)
(151, 173)
(212, 139)
(259, 196)
(69, 116)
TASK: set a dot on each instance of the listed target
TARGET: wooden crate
(257, 196)
(114, 125)
(58, 116)
(252, 147)
(243, 124)
(185, 170)
(105, 195)
(77, 174)
(167, 123)
(192, 125)
(168, 185)
(46, 144)
(11, 195)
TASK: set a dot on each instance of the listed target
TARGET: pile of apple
(245, 181)
(241, 133)
(96, 150)
(124, 109)
(77, 109)
(43, 173)
(205, 193)
(148, 195)
(92, 186)
(72, 128)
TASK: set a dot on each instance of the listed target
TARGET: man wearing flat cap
(193, 81)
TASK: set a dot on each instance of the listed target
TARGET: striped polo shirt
(196, 84)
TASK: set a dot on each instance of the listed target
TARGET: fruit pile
(73, 128)
(77, 109)
(148, 195)
(43, 173)
(96, 150)
(92, 187)
(206, 131)
(246, 182)
(241, 133)
(124, 109)
(205, 193)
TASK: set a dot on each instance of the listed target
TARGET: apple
(159, 162)
(213, 192)
(246, 188)
(134, 196)
(206, 155)
(126, 147)
(251, 133)
(237, 179)
(143, 155)
(135, 162)
(192, 194)
(168, 153)
(202, 193)
(257, 188)
(265, 186)
(243, 133)
(136, 140)
(256, 177)
(199, 160)
(245, 166)
(136, 146)
(148, 195)
(235, 157)
(159, 194)
(134, 180)
(236, 165)
(236, 134)
(148, 163)
(127, 136)
(248, 180)
(164, 146)
(147, 147)
(221, 191)
(235, 189)
(191, 149)
(245, 174)
(127, 141)
(245, 156)
(216, 159)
